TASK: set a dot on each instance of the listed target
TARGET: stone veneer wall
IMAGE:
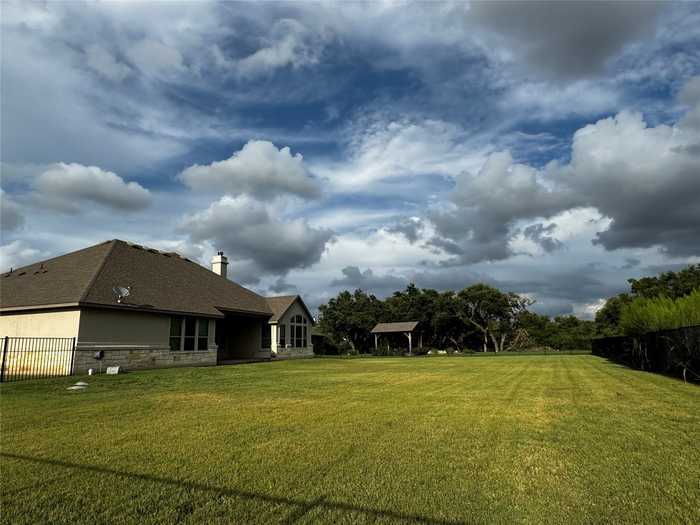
(139, 357)
(293, 353)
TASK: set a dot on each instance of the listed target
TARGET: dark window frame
(197, 339)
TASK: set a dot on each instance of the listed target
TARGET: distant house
(146, 308)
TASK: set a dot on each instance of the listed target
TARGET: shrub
(642, 315)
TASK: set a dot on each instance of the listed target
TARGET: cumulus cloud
(251, 235)
(567, 39)
(68, 187)
(258, 169)
(619, 166)
(486, 206)
(17, 254)
(626, 169)
(11, 216)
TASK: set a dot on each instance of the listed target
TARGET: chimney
(219, 263)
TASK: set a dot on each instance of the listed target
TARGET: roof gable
(280, 304)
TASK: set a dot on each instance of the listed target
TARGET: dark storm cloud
(567, 39)
(541, 235)
(282, 286)
(631, 262)
(478, 227)
(366, 280)
(409, 227)
(637, 176)
(576, 285)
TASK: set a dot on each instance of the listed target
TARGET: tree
(668, 284)
(672, 285)
(493, 313)
(422, 305)
(349, 318)
(607, 319)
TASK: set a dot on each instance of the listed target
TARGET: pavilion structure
(408, 329)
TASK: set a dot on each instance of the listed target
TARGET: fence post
(72, 358)
(4, 353)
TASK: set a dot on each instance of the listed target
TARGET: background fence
(36, 357)
(674, 352)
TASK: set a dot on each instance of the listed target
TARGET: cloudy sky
(551, 149)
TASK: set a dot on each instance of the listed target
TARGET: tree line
(477, 318)
(483, 318)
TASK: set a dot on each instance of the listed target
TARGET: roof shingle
(383, 328)
(159, 281)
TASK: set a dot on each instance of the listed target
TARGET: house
(146, 308)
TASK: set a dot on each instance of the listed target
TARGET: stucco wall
(45, 323)
(119, 327)
(134, 341)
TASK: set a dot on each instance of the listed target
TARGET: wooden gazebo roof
(388, 328)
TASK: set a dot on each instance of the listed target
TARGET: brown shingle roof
(159, 281)
(280, 304)
(383, 328)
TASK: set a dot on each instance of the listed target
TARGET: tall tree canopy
(671, 285)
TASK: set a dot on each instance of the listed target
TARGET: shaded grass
(525, 439)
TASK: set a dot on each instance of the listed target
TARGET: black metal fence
(36, 357)
(675, 352)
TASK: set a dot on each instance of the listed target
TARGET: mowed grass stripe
(527, 439)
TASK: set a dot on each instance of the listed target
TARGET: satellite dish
(121, 292)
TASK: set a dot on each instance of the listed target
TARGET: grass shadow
(301, 507)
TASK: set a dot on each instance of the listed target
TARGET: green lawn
(556, 439)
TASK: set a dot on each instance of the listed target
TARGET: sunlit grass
(557, 439)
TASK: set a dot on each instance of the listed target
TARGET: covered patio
(408, 328)
(238, 338)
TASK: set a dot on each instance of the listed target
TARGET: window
(281, 329)
(265, 336)
(188, 333)
(175, 333)
(203, 334)
(297, 331)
